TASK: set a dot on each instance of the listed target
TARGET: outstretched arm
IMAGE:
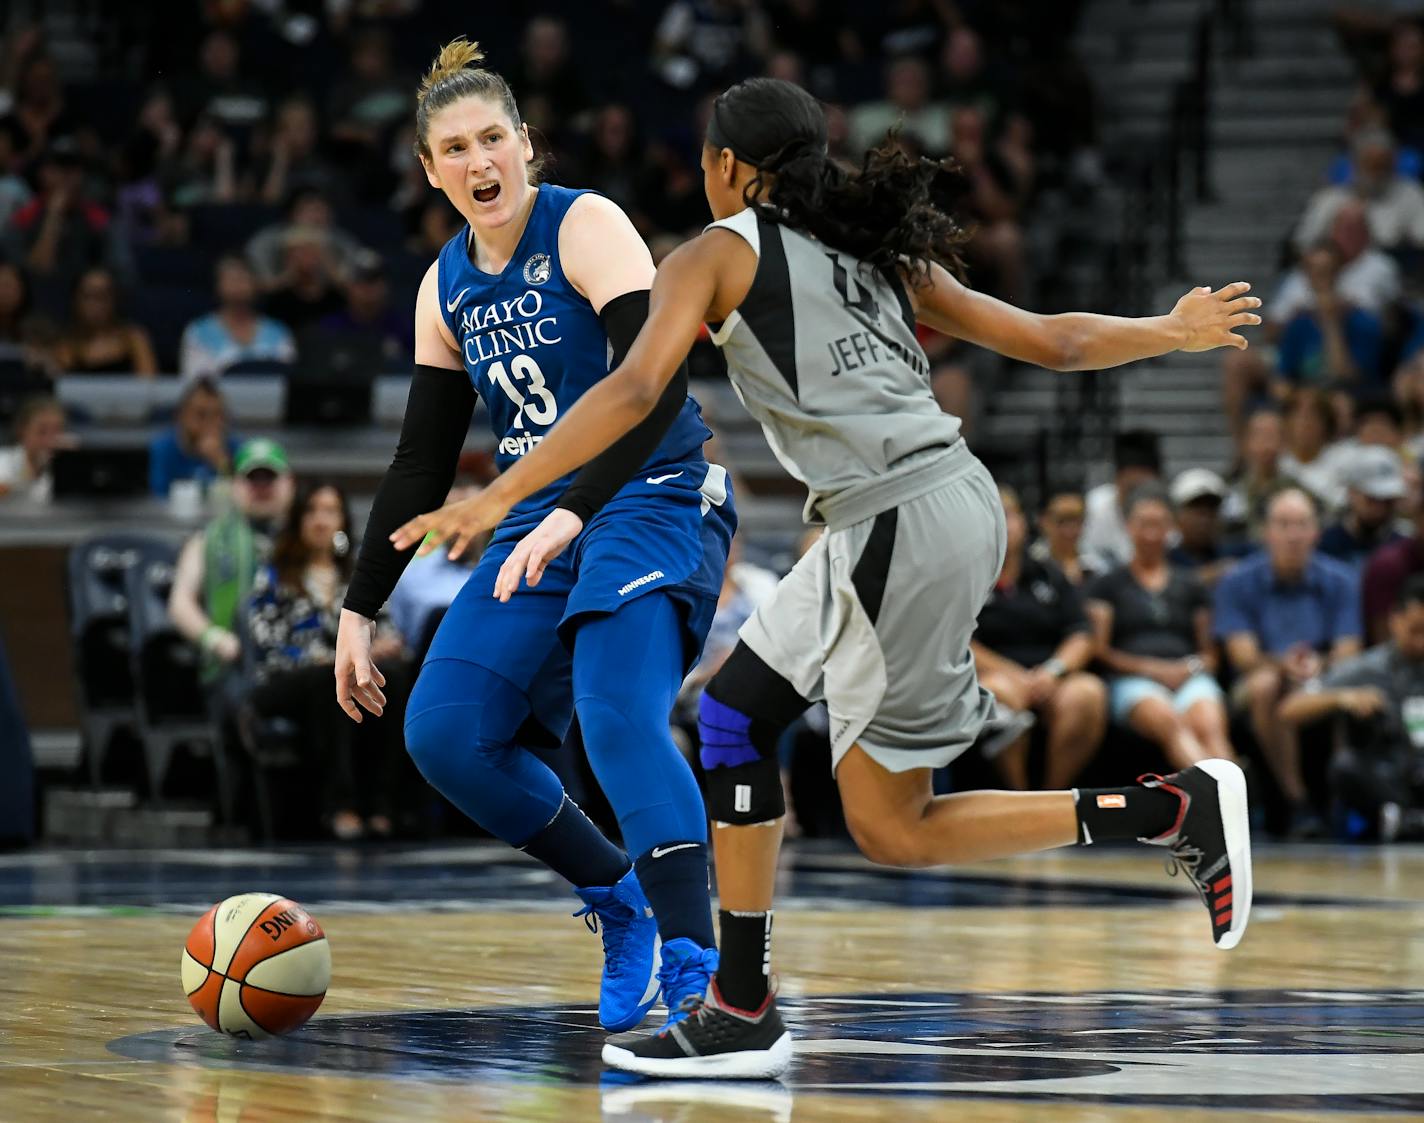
(1201, 321)
(683, 291)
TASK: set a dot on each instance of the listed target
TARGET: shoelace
(669, 974)
(612, 949)
(1182, 857)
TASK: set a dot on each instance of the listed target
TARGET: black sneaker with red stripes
(713, 1040)
(1211, 842)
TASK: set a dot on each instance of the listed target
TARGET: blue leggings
(462, 721)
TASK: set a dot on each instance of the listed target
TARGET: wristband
(1055, 667)
(1195, 665)
(211, 634)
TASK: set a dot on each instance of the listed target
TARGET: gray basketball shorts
(876, 621)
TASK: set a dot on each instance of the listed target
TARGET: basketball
(256, 965)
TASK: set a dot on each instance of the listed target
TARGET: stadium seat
(99, 633)
(171, 706)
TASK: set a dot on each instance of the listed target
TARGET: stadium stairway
(1276, 122)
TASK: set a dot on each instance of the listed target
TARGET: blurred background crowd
(213, 224)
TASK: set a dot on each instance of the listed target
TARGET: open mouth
(487, 193)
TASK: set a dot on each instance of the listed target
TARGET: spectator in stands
(907, 106)
(958, 374)
(910, 27)
(1401, 92)
(613, 166)
(1198, 495)
(1152, 627)
(292, 623)
(307, 290)
(1136, 461)
(23, 337)
(1393, 205)
(309, 213)
(1311, 458)
(14, 190)
(1385, 575)
(546, 73)
(235, 332)
(1258, 475)
(1032, 646)
(205, 172)
(1367, 279)
(372, 99)
(62, 232)
(198, 445)
(1331, 343)
(368, 317)
(1286, 615)
(705, 44)
(1000, 179)
(97, 339)
(1374, 485)
(819, 33)
(25, 466)
(1377, 769)
(964, 79)
(1060, 528)
(294, 157)
(217, 565)
(221, 92)
(40, 107)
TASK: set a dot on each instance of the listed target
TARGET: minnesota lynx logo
(538, 269)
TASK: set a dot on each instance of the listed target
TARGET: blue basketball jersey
(532, 345)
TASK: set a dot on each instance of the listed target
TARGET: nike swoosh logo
(451, 305)
(663, 479)
(662, 851)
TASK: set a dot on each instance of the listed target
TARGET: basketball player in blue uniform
(812, 279)
(525, 308)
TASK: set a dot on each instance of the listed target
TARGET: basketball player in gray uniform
(813, 278)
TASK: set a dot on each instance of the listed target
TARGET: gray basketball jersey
(823, 354)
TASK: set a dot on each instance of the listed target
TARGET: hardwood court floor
(1072, 986)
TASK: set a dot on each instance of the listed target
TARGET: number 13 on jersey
(524, 374)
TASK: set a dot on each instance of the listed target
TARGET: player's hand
(357, 678)
(1210, 319)
(457, 523)
(536, 550)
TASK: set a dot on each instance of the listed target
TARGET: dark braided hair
(884, 213)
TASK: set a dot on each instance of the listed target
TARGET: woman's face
(1062, 524)
(480, 161)
(1307, 426)
(95, 300)
(1148, 526)
(322, 520)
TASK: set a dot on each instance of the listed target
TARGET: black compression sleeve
(599, 480)
(437, 419)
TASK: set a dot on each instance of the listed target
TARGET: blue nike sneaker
(686, 972)
(630, 986)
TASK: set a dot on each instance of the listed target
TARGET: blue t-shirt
(1302, 348)
(533, 345)
(169, 461)
(1318, 610)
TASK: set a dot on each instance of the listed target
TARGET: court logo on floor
(1248, 1049)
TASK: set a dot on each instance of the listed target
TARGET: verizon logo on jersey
(647, 578)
